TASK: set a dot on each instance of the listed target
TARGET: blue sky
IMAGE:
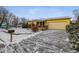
(36, 12)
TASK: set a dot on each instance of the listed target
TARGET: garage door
(57, 25)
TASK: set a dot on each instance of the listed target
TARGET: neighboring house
(58, 23)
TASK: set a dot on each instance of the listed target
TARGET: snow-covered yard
(18, 35)
(49, 41)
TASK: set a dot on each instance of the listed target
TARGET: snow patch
(18, 35)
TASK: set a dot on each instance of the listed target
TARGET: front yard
(49, 41)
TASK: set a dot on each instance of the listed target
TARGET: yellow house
(30, 23)
(57, 23)
(34, 22)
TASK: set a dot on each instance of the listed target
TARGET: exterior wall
(57, 23)
(57, 26)
(35, 22)
(67, 21)
(29, 22)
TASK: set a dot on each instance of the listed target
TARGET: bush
(73, 30)
(25, 25)
(34, 28)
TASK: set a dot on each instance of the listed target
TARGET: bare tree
(76, 15)
(23, 20)
(11, 17)
(3, 15)
(15, 21)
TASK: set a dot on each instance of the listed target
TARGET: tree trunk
(1, 22)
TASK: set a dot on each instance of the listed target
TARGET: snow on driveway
(49, 41)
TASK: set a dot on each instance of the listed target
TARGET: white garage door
(57, 25)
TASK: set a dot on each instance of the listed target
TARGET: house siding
(64, 21)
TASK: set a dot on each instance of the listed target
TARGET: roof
(57, 18)
(35, 20)
(60, 18)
